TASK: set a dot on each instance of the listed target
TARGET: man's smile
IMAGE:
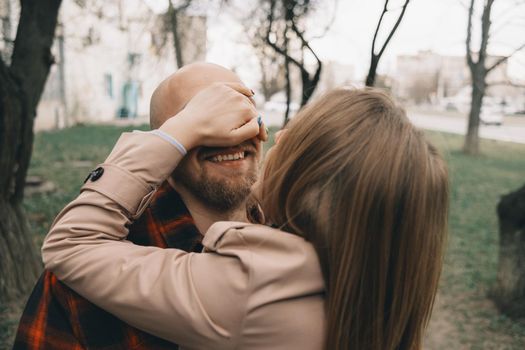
(232, 159)
(235, 157)
(227, 157)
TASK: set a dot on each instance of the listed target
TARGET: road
(512, 130)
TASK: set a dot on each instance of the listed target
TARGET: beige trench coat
(253, 287)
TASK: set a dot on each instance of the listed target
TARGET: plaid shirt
(56, 317)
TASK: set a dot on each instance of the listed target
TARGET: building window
(108, 85)
(133, 59)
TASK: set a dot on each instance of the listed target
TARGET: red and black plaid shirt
(56, 317)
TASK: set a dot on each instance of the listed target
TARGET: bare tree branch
(285, 54)
(281, 30)
(470, 60)
(394, 29)
(274, 45)
(385, 10)
(465, 5)
(505, 58)
(374, 58)
(330, 22)
(173, 14)
(485, 31)
(510, 9)
(288, 86)
(507, 83)
(305, 43)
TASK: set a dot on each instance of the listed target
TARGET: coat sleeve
(194, 300)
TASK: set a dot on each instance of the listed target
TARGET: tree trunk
(18, 258)
(478, 92)
(21, 86)
(288, 78)
(371, 77)
(174, 26)
(309, 84)
(288, 91)
(509, 293)
(264, 81)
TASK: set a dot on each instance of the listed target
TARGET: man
(211, 184)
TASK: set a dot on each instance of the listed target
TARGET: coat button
(95, 174)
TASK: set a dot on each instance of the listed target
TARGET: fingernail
(259, 120)
(267, 130)
(253, 92)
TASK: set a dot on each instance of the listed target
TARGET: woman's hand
(220, 115)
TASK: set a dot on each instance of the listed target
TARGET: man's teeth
(231, 156)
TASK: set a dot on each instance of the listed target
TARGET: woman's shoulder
(270, 255)
(253, 236)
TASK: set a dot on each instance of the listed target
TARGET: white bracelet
(168, 138)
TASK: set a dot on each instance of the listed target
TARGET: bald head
(174, 92)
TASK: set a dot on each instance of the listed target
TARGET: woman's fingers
(241, 88)
(245, 132)
(251, 112)
(263, 132)
(219, 115)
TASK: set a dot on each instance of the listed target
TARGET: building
(8, 8)
(428, 77)
(109, 57)
(336, 74)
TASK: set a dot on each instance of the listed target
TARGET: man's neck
(203, 215)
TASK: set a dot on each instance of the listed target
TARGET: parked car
(490, 116)
(277, 103)
(278, 106)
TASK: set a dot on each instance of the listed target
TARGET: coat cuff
(131, 193)
(137, 165)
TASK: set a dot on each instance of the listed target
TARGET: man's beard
(224, 195)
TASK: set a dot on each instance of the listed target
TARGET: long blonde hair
(353, 176)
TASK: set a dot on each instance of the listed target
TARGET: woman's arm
(162, 291)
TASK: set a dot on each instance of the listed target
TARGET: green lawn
(65, 158)
(477, 185)
(464, 318)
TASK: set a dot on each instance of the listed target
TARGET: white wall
(96, 47)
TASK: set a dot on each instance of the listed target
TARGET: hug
(185, 237)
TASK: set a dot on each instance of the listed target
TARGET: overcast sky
(437, 25)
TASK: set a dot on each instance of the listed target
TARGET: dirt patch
(472, 321)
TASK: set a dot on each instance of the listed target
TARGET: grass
(463, 311)
(65, 158)
(477, 185)
(463, 319)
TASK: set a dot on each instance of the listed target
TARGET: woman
(358, 196)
